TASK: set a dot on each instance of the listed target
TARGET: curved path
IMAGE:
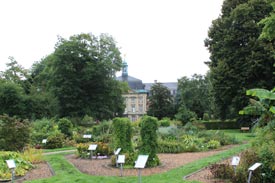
(169, 161)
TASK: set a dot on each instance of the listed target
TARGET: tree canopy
(160, 102)
(239, 59)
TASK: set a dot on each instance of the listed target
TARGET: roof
(134, 83)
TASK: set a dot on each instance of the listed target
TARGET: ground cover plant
(24, 162)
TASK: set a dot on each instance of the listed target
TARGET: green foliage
(263, 107)
(206, 117)
(55, 140)
(122, 134)
(22, 164)
(14, 133)
(102, 149)
(42, 129)
(194, 95)
(87, 121)
(219, 136)
(164, 122)
(148, 135)
(238, 56)
(165, 146)
(161, 102)
(80, 74)
(185, 115)
(213, 144)
(66, 127)
(12, 99)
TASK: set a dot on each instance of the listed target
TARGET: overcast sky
(162, 39)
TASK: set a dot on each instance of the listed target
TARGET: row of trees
(77, 79)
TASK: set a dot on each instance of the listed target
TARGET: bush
(213, 144)
(222, 171)
(165, 122)
(55, 141)
(65, 126)
(149, 140)
(14, 133)
(122, 137)
(102, 149)
(192, 143)
(170, 147)
(22, 164)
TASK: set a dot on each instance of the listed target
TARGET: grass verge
(66, 172)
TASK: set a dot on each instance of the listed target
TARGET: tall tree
(160, 102)
(239, 60)
(194, 94)
(80, 74)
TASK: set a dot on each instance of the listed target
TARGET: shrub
(170, 147)
(206, 117)
(65, 126)
(122, 134)
(22, 164)
(102, 149)
(165, 122)
(222, 171)
(14, 133)
(55, 140)
(213, 144)
(149, 140)
(87, 121)
(192, 143)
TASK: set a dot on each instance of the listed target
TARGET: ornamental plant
(148, 132)
(122, 131)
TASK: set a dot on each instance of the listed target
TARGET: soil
(101, 167)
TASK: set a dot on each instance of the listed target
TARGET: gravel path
(169, 161)
(102, 168)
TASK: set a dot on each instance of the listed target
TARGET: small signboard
(121, 159)
(141, 161)
(92, 147)
(235, 161)
(255, 166)
(87, 136)
(44, 141)
(117, 151)
(11, 163)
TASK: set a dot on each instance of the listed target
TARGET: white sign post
(235, 162)
(44, 141)
(11, 164)
(121, 161)
(251, 169)
(87, 136)
(116, 154)
(92, 148)
(140, 164)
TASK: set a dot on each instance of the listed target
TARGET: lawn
(65, 172)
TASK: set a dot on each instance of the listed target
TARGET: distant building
(136, 99)
(172, 86)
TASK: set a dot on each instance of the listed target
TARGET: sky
(160, 40)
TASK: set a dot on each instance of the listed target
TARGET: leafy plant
(149, 140)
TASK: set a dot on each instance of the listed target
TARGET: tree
(15, 73)
(160, 102)
(194, 94)
(239, 60)
(80, 74)
(12, 99)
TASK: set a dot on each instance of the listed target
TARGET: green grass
(58, 149)
(66, 172)
(242, 136)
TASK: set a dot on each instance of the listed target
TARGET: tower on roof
(124, 69)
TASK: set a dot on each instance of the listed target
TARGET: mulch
(101, 167)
